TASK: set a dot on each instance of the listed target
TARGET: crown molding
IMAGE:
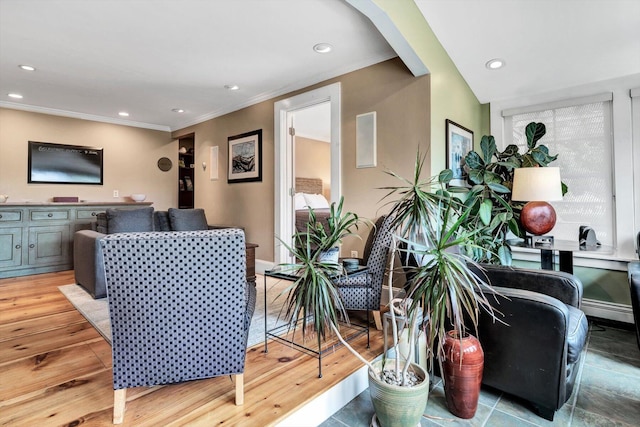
(82, 116)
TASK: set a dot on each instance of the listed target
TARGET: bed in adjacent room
(309, 194)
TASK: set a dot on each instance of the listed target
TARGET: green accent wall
(451, 97)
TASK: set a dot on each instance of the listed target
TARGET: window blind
(580, 132)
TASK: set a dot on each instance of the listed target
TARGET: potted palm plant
(313, 297)
(427, 219)
(431, 224)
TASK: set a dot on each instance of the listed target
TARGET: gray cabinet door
(10, 247)
(49, 245)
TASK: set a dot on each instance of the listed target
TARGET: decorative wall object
(213, 163)
(245, 157)
(165, 164)
(459, 143)
(366, 140)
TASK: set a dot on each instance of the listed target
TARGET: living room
(411, 112)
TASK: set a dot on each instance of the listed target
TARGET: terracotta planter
(462, 374)
(399, 406)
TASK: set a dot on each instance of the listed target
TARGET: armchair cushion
(129, 220)
(187, 219)
(161, 221)
(101, 223)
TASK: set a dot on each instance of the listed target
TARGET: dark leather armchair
(536, 357)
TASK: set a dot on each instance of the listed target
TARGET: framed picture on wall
(245, 157)
(459, 143)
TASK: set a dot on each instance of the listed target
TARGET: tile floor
(607, 393)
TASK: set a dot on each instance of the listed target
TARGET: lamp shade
(536, 184)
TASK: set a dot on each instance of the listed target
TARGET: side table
(279, 333)
(565, 249)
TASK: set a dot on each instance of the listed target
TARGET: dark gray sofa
(87, 257)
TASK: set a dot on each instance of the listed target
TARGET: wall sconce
(537, 186)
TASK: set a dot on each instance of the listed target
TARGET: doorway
(285, 112)
(186, 171)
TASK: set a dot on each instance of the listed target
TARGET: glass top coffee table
(289, 332)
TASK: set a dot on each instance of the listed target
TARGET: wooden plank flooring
(55, 370)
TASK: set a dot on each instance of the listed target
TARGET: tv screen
(64, 164)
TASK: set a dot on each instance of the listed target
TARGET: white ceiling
(146, 57)
(548, 45)
(95, 58)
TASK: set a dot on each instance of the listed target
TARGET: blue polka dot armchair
(180, 308)
(364, 291)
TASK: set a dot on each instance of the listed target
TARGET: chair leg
(119, 402)
(238, 379)
(378, 319)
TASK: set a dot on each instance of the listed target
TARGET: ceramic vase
(397, 406)
(462, 373)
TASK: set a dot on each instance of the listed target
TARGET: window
(580, 133)
(635, 123)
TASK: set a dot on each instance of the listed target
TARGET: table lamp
(537, 186)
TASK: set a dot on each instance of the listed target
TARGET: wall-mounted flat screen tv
(64, 164)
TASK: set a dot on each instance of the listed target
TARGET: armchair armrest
(528, 354)
(557, 284)
(88, 262)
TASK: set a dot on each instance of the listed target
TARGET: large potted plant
(314, 304)
(430, 223)
(427, 219)
(488, 192)
(313, 297)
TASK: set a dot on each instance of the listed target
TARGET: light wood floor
(55, 370)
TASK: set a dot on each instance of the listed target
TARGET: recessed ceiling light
(323, 48)
(231, 87)
(123, 114)
(15, 95)
(27, 67)
(495, 64)
(177, 110)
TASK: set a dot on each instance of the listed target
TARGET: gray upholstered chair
(363, 291)
(180, 308)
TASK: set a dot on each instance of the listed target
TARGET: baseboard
(262, 266)
(607, 310)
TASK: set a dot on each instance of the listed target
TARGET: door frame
(283, 159)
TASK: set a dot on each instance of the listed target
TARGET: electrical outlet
(116, 193)
(354, 254)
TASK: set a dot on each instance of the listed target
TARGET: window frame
(626, 153)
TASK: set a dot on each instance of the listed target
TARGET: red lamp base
(538, 217)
